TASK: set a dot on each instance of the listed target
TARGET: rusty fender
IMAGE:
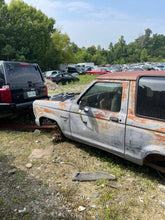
(56, 111)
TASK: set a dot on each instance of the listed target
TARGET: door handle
(64, 117)
(114, 119)
(86, 109)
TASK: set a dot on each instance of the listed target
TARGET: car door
(98, 118)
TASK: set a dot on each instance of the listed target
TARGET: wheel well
(56, 132)
(44, 120)
(155, 161)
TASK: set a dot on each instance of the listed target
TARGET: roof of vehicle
(17, 62)
(130, 75)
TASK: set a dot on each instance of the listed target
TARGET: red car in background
(99, 71)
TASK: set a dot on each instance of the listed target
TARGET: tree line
(28, 35)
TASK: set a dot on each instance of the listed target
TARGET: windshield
(54, 74)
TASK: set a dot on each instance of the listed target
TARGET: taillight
(24, 64)
(46, 89)
(5, 94)
(51, 79)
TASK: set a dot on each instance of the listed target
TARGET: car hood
(69, 97)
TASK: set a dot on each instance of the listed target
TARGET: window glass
(21, 75)
(104, 95)
(151, 97)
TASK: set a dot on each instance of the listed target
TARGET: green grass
(76, 87)
(85, 79)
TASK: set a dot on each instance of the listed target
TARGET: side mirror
(83, 106)
(83, 103)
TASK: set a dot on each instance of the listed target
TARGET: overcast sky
(99, 22)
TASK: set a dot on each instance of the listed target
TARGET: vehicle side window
(2, 79)
(151, 97)
(103, 95)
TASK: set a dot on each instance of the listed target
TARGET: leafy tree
(144, 55)
(8, 52)
(143, 41)
(31, 32)
(92, 50)
(5, 30)
(74, 47)
(119, 49)
(2, 2)
(110, 46)
(98, 59)
(83, 56)
(59, 51)
(157, 46)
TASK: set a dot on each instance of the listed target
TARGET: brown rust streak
(99, 115)
(137, 119)
(41, 110)
(40, 114)
(160, 139)
(105, 126)
(49, 111)
(132, 98)
(125, 89)
(63, 104)
(147, 121)
(162, 130)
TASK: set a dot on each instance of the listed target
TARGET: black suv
(75, 70)
(20, 85)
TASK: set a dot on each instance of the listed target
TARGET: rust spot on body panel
(137, 119)
(63, 104)
(125, 90)
(49, 111)
(104, 126)
(132, 98)
(99, 115)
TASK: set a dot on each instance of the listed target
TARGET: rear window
(23, 74)
(151, 97)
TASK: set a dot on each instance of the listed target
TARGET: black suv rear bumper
(7, 109)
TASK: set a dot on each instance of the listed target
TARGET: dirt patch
(40, 153)
(51, 85)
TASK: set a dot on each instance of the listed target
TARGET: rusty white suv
(122, 113)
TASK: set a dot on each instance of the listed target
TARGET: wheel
(161, 175)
